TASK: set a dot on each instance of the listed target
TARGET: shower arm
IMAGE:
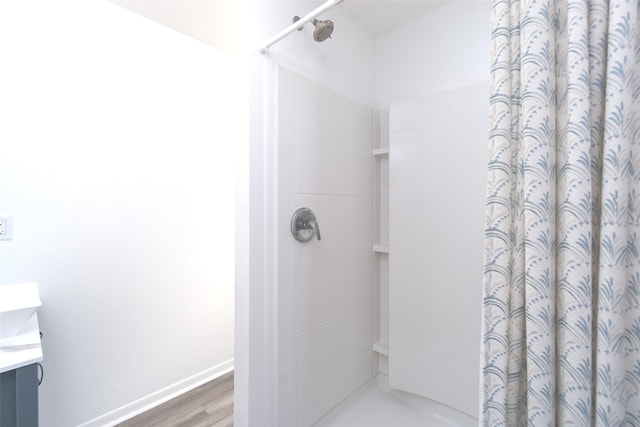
(329, 4)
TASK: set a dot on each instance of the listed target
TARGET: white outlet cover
(6, 227)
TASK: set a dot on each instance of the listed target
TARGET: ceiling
(380, 16)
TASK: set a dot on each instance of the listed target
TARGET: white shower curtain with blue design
(561, 314)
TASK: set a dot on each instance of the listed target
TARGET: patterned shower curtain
(561, 314)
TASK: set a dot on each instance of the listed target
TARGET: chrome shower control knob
(304, 225)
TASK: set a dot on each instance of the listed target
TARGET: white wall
(437, 175)
(344, 64)
(409, 61)
(117, 143)
(206, 20)
(444, 49)
(432, 70)
(324, 286)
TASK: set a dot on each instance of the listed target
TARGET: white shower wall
(408, 61)
(324, 294)
(445, 77)
(346, 70)
(437, 182)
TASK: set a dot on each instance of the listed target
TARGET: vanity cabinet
(19, 397)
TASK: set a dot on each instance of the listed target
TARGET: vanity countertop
(23, 349)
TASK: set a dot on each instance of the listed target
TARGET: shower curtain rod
(329, 4)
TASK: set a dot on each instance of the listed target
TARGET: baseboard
(152, 400)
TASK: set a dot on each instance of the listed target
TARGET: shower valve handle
(304, 225)
(314, 224)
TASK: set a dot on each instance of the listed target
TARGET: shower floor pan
(376, 405)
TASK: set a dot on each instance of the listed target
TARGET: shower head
(323, 30)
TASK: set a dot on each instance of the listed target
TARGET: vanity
(20, 354)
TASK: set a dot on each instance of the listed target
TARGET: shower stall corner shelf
(381, 152)
(381, 249)
(381, 347)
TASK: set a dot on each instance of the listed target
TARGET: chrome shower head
(323, 30)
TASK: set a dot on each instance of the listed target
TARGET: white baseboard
(154, 399)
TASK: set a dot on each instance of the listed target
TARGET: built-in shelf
(382, 249)
(381, 347)
(381, 152)
(381, 156)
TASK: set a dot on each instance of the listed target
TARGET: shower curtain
(561, 315)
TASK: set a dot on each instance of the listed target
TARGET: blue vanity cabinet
(19, 397)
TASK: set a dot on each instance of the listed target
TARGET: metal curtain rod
(329, 4)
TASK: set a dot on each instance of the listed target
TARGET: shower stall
(382, 138)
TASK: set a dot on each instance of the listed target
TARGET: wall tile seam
(335, 317)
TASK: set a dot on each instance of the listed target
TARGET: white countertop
(23, 349)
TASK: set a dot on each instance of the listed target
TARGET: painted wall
(117, 155)
(205, 20)
(442, 50)
(343, 63)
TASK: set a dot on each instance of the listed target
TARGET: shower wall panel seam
(333, 318)
(334, 194)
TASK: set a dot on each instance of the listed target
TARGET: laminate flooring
(210, 405)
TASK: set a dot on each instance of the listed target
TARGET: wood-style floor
(210, 405)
